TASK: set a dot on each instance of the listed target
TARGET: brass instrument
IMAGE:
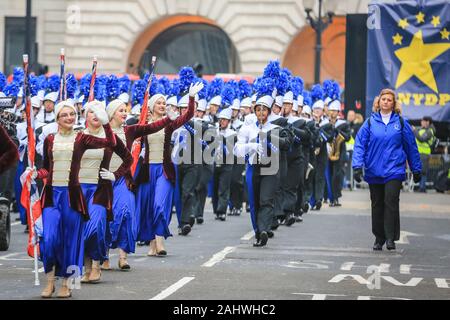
(336, 148)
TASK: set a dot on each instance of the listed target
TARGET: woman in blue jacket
(383, 145)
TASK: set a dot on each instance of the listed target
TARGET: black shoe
(390, 244)
(191, 221)
(262, 241)
(222, 217)
(298, 218)
(232, 212)
(238, 212)
(318, 205)
(200, 220)
(185, 230)
(290, 220)
(247, 209)
(305, 207)
(337, 204)
(26, 230)
(270, 234)
(377, 246)
(331, 204)
(143, 243)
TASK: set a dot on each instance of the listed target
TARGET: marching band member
(262, 181)
(96, 183)
(64, 206)
(342, 134)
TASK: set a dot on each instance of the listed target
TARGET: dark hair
(428, 118)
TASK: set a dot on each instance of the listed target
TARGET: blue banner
(409, 51)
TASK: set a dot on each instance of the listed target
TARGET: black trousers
(319, 175)
(222, 182)
(337, 178)
(295, 174)
(385, 210)
(237, 186)
(279, 194)
(206, 173)
(188, 180)
(264, 188)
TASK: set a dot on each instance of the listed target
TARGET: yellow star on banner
(445, 34)
(397, 39)
(436, 21)
(420, 17)
(416, 61)
(403, 23)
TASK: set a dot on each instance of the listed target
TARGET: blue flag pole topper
(409, 51)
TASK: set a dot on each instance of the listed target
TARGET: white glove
(34, 174)
(100, 114)
(256, 148)
(171, 113)
(107, 175)
(195, 88)
(317, 151)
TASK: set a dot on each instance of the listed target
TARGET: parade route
(328, 256)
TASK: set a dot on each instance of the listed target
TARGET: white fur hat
(63, 104)
(89, 105)
(153, 99)
(113, 106)
(125, 97)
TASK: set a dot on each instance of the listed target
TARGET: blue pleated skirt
(154, 200)
(96, 231)
(62, 243)
(123, 227)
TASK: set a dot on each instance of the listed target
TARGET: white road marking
(340, 277)
(318, 296)
(173, 288)
(413, 282)
(404, 236)
(248, 236)
(7, 256)
(405, 269)
(384, 267)
(347, 266)
(40, 270)
(141, 259)
(442, 283)
(15, 223)
(218, 257)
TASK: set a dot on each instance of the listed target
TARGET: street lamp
(319, 24)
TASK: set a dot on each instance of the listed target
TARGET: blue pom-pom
(165, 82)
(245, 89)
(215, 88)
(256, 84)
(316, 93)
(112, 88)
(42, 82)
(272, 70)
(235, 85)
(336, 93)
(156, 87)
(71, 85)
(296, 86)
(53, 83)
(228, 94)
(85, 83)
(2, 81)
(33, 84)
(187, 77)
(18, 76)
(203, 94)
(307, 98)
(265, 87)
(124, 84)
(174, 88)
(138, 92)
(100, 92)
(12, 89)
(284, 81)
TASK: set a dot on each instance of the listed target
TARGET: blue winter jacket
(382, 150)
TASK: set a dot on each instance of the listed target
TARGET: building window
(192, 44)
(15, 43)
